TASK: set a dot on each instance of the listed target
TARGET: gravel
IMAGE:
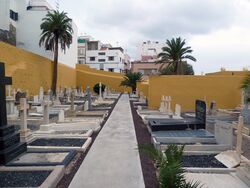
(66, 142)
(23, 178)
(201, 161)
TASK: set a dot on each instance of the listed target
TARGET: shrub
(96, 88)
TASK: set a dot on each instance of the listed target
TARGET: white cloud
(217, 30)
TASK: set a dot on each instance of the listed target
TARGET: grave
(10, 145)
(198, 122)
(43, 158)
(24, 132)
(42, 177)
(59, 144)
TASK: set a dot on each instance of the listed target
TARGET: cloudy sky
(217, 30)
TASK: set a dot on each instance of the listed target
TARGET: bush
(96, 88)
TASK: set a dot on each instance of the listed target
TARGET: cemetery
(86, 138)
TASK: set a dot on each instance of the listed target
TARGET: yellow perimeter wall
(89, 77)
(184, 90)
(29, 71)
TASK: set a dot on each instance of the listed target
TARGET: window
(101, 60)
(13, 15)
(92, 45)
(101, 53)
(111, 70)
(92, 58)
(111, 58)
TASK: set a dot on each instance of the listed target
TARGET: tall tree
(187, 69)
(56, 29)
(130, 80)
(175, 53)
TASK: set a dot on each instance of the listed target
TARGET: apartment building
(102, 56)
(20, 22)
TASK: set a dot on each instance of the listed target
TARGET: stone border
(71, 154)
(210, 170)
(51, 181)
(57, 134)
(83, 148)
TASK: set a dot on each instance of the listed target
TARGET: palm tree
(56, 28)
(187, 69)
(245, 85)
(174, 54)
(130, 80)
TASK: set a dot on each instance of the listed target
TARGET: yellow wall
(30, 71)
(89, 77)
(229, 73)
(184, 90)
(143, 87)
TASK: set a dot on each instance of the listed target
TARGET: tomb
(10, 145)
(198, 122)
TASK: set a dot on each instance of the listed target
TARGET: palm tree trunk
(54, 80)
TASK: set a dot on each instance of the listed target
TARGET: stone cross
(3, 81)
(46, 111)
(239, 136)
(89, 97)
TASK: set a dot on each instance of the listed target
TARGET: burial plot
(10, 145)
(199, 122)
(55, 144)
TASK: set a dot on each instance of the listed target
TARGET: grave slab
(212, 180)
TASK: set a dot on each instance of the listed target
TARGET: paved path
(113, 160)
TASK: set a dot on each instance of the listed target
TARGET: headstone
(239, 136)
(72, 98)
(142, 98)
(9, 91)
(223, 132)
(162, 108)
(89, 98)
(200, 110)
(41, 94)
(36, 99)
(100, 99)
(213, 109)
(178, 110)
(10, 145)
(105, 93)
(86, 106)
(61, 116)
(169, 110)
(46, 111)
(24, 132)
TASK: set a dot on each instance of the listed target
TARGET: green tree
(56, 29)
(174, 54)
(130, 80)
(187, 69)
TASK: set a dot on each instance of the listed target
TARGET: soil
(63, 142)
(144, 137)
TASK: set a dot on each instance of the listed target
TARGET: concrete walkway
(113, 160)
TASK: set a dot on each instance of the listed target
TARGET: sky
(217, 30)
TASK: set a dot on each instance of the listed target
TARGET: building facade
(20, 22)
(102, 56)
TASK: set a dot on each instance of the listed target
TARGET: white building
(101, 56)
(22, 20)
(148, 51)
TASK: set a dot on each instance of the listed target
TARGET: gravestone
(86, 106)
(89, 97)
(162, 108)
(100, 99)
(177, 110)
(46, 111)
(61, 116)
(41, 94)
(24, 131)
(10, 145)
